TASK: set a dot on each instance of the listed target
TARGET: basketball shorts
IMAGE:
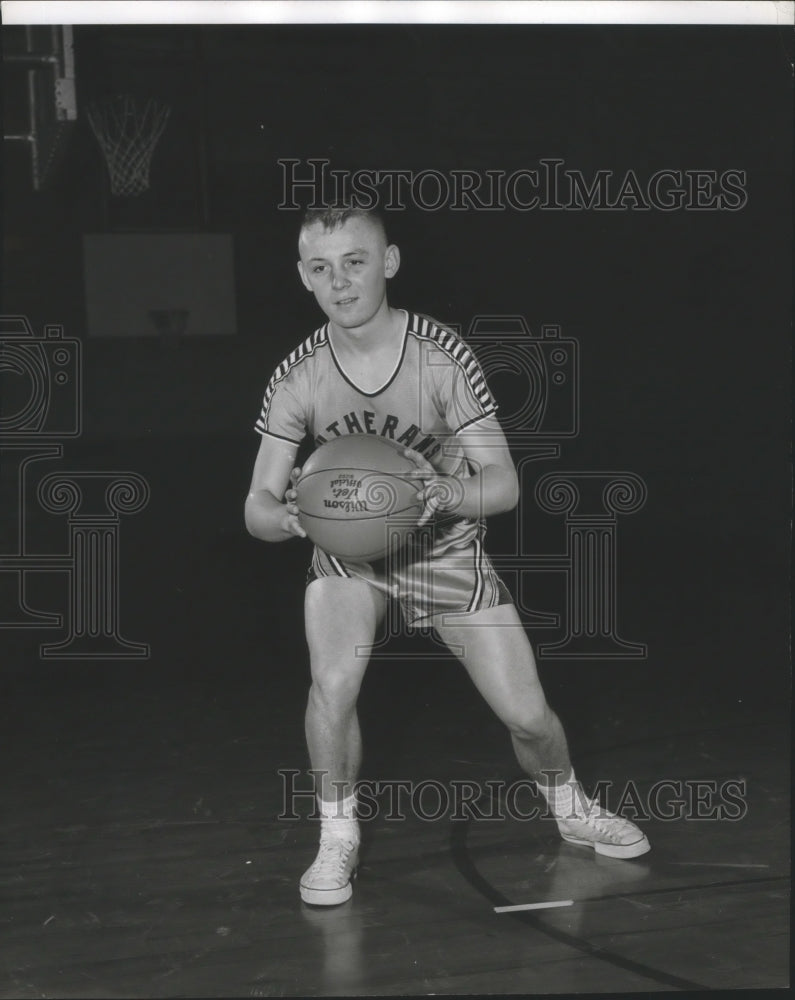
(425, 580)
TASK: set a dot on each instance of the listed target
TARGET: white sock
(566, 800)
(338, 819)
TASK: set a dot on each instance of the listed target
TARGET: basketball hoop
(127, 134)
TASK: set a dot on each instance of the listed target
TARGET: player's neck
(382, 332)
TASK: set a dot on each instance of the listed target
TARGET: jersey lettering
(408, 435)
(388, 430)
(352, 423)
(428, 445)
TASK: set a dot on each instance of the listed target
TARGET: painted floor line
(533, 906)
(715, 864)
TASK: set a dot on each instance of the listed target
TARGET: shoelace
(606, 823)
(332, 856)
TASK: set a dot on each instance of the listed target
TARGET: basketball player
(374, 369)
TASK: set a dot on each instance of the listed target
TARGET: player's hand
(437, 492)
(291, 522)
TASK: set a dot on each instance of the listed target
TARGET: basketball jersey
(436, 390)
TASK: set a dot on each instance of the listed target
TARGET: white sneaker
(327, 881)
(606, 833)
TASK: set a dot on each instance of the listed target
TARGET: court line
(533, 906)
(680, 889)
(461, 859)
(690, 887)
(716, 864)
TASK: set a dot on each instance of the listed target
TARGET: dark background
(683, 318)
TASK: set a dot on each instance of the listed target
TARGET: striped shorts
(425, 580)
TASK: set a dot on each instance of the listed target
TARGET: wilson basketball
(354, 499)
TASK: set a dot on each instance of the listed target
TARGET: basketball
(354, 499)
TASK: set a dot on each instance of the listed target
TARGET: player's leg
(494, 648)
(341, 616)
(497, 655)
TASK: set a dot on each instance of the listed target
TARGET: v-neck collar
(391, 377)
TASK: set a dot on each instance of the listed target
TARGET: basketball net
(127, 134)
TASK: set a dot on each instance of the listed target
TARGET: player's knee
(334, 691)
(529, 722)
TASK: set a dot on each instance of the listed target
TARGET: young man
(375, 369)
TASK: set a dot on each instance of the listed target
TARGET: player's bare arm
(493, 489)
(268, 516)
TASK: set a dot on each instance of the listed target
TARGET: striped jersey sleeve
(285, 405)
(463, 393)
